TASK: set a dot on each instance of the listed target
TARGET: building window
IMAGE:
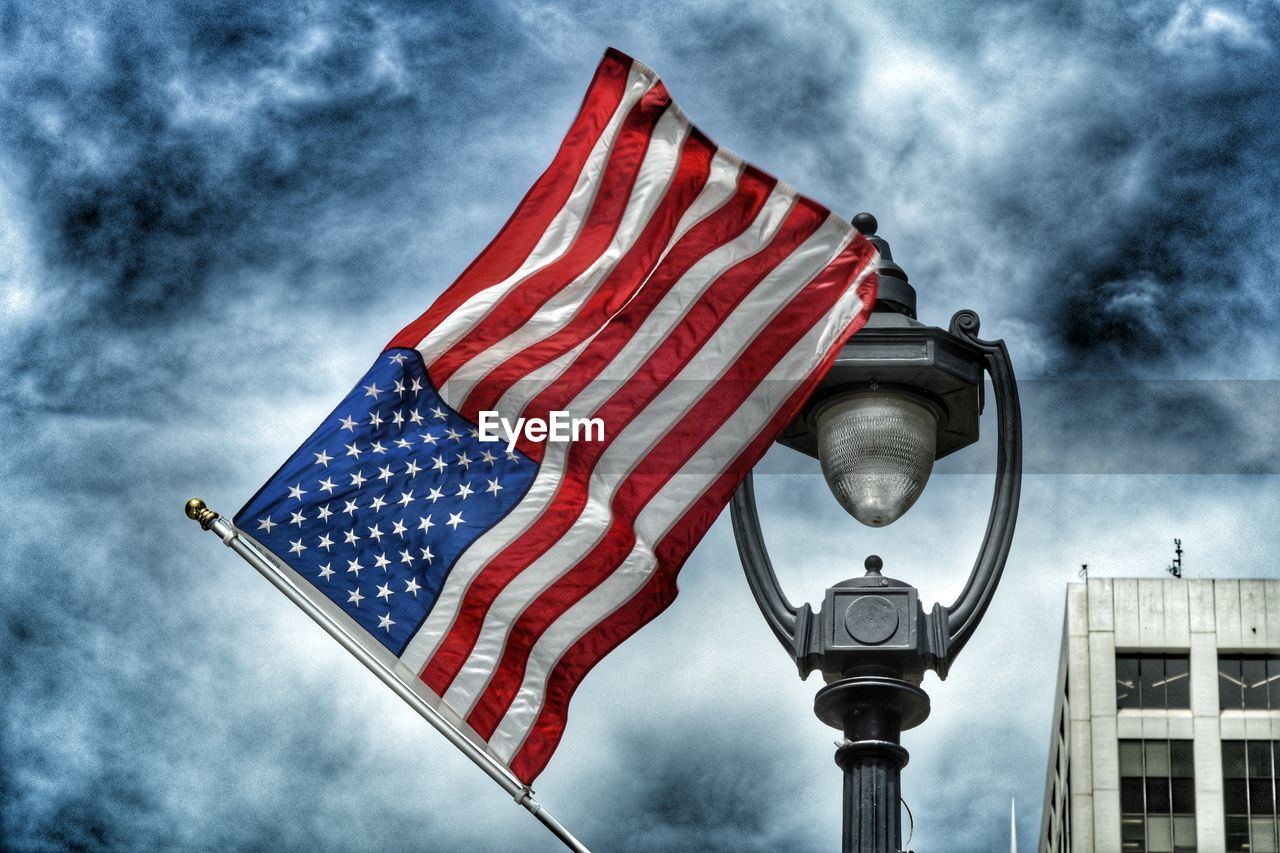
(1157, 796)
(1153, 681)
(1249, 681)
(1249, 795)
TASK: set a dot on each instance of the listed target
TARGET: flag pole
(498, 772)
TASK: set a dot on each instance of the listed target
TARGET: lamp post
(899, 395)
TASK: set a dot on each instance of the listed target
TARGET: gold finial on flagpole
(197, 511)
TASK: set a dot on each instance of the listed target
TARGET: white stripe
(637, 440)
(556, 240)
(653, 180)
(666, 316)
(721, 186)
(657, 518)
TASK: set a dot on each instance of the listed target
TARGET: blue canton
(375, 508)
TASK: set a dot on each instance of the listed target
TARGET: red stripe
(660, 590)
(722, 227)
(737, 384)
(631, 398)
(518, 237)
(616, 289)
(614, 192)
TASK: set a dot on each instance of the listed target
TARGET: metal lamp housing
(896, 353)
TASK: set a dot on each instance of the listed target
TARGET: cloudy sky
(214, 215)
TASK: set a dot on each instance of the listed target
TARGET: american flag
(650, 279)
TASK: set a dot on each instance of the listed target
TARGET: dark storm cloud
(715, 788)
(1103, 173)
(212, 214)
(1149, 192)
(173, 158)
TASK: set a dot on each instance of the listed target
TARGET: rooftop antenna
(1175, 568)
(1084, 571)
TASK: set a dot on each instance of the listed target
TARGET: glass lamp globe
(877, 452)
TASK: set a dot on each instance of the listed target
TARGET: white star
(385, 621)
(493, 486)
(384, 591)
(406, 498)
(398, 528)
(266, 524)
(354, 567)
(384, 473)
(406, 557)
(475, 433)
(438, 464)
(411, 585)
(375, 419)
(435, 495)
(375, 533)
(412, 468)
(372, 390)
(452, 433)
(296, 518)
(427, 555)
(415, 418)
(326, 572)
(349, 423)
(325, 542)
(397, 418)
(465, 461)
(296, 547)
(415, 385)
(357, 479)
(381, 561)
(352, 536)
(511, 455)
(429, 438)
(425, 523)
(399, 386)
(327, 485)
(486, 456)
(349, 507)
(297, 492)
(455, 518)
(401, 443)
(323, 458)
(464, 491)
(354, 597)
(378, 503)
(398, 358)
(438, 413)
(353, 450)
(324, 513)
(377, 447)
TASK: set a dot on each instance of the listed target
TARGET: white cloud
(1198, 26)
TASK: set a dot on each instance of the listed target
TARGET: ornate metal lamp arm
(773, 603)
(945, 630)
(963, 615)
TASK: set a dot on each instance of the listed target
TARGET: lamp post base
(872, 711)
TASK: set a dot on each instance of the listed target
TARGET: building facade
(1166, 730)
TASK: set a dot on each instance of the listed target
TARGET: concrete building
(1167, 723)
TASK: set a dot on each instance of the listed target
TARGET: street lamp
(899, 395)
